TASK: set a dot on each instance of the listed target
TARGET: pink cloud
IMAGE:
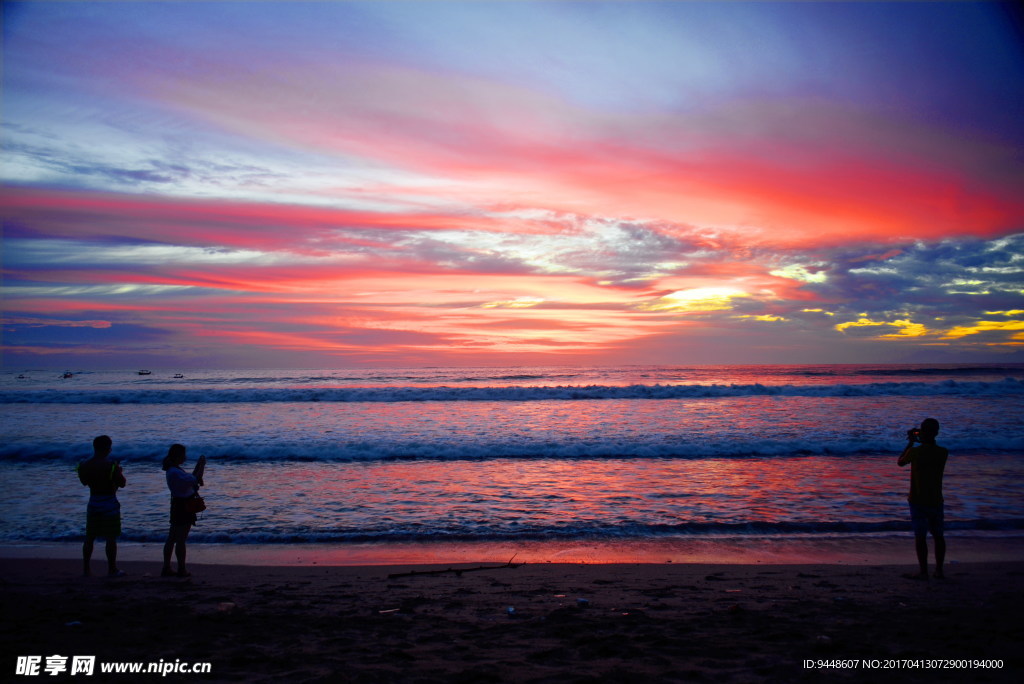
(783, 173)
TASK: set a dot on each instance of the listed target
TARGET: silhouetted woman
(183, 487)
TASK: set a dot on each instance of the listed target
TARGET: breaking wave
(1005, 387)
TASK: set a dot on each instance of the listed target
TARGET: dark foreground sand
(639, 623)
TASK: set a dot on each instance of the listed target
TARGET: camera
(914, 434)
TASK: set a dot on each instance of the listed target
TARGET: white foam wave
(1005, 387)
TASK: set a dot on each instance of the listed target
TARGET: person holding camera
(103, 477)
(183, 486)
(927, 465)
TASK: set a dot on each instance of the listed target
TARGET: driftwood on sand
(456, 571)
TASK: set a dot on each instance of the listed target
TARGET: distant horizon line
(181, 369)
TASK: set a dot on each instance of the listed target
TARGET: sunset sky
(289, 184)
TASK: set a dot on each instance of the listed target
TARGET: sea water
(345, 457)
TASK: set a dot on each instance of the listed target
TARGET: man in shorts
(927, 465)
(103, 477)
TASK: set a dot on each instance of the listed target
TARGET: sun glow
(695, 300)
(517, 303)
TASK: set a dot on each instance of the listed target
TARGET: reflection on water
(515, 498)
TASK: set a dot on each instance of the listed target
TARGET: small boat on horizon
(67, 374)
(178, 375)
(145, 372)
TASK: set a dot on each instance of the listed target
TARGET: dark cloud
(948, 277)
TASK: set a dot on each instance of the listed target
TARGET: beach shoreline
(842, 549)
(536, 622)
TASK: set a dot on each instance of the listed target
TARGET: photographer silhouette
(927, 466)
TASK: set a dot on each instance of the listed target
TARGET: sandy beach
(536, 622)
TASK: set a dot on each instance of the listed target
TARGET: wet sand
(845, 549)
(537, 622)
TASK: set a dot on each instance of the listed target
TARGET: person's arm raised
(911, 440)
(198, 471)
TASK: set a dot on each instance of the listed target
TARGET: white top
(180, 483)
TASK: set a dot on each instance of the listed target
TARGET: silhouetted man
(927, 464)
(103, 477)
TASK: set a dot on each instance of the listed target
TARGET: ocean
(516, 455)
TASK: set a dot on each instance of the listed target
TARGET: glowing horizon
(446, 183)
